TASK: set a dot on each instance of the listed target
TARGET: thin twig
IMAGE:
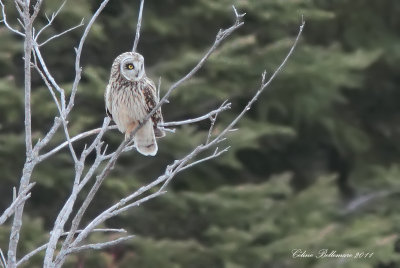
(4, 20)
(19, 6)
(225, 106)
(66, 210)
(213, 119)
(136, 203)
(100, 245)
(78, 69)
(139, 23)
(74, 139)
(42, 247)
(49, 87)
(22, 197)
(31, 254)
(363, 200)
(2, 259)
(63, 112)
(62, 33)
(36, 9)
(214, 155)
(159, 88)
(50, 21)
(263, 85)
(78, 185)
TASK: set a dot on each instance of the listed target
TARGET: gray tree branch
(22, 197)
(139, 24)
(30, 157)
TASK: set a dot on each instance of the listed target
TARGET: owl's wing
(108, 101)
(151, 99)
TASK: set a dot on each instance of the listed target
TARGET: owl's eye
(130, 66)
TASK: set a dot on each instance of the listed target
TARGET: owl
(130, 95)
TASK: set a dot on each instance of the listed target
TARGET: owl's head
(131, 66)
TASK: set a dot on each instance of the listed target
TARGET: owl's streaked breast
(127, 105)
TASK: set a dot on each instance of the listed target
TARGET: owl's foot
(159, 133)
(129, 130)
(127, 136)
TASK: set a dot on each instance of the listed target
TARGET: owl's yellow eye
(130, 66)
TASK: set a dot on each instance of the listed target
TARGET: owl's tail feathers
(145, 141)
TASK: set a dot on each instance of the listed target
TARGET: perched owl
(129, 97)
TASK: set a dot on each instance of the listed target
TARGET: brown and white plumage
(129, 97)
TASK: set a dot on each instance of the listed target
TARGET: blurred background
(315, 164)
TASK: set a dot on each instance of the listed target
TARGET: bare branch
(221, 36)
(22, 197)
(139, 23)
(31, 254)
(100, 245)
(46, 139)
(19, 6)
(42, 247)
(66, 210)
(111, 212)
(225, 106)
(47, 72)
(49, 79)
(159, 88)
(2, 259)
(50, 21)
(63, 112)
(36, 10)
(57, 121)
(49, 87)
(74, 139)
(97, 140)
(102, 230)
(62, 33)
(78, 69)
(263, 85)
(172, 130)
(30, 162)
(20, 23)
(214, 155)
(363, 200)
(213, 119)
(3, 10)
(66, 131)
(136, 203)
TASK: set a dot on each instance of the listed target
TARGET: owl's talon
(127, 136)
